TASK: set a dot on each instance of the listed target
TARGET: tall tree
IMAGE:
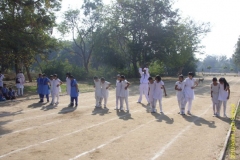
(83, 27)
(236, 55)
(26, 28)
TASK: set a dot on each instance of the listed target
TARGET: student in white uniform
(56, 89)
(1, 79)
(104, 91)
(179, 87)
(215, 86)
(118, 91)
(151, 87)
(143, 88)
(224, 95)
(190, 84)
(68, 83)
(52, 88)
(20, 80)
(98, 94)
(124, 92)
(157, 96)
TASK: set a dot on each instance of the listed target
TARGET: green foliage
(236, 55)
(156, 68)
(61, 68)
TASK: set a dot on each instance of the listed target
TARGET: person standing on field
(190, 84)
(143, 88)
(20, 80)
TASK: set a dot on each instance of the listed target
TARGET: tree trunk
(28, 74)
(16, 66)
(180, 70)
(135, 68)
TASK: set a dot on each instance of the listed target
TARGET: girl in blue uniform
(45, 88)
(39, 86)
(74, 91)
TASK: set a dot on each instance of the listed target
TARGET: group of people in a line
(151, 88)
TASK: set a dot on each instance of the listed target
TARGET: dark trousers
(42, 97)
(76, 100)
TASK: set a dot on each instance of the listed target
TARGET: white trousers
(224, 107)
(104, 98)
(189, 102)
(155, 104)
(54, 96)
(215, 107)
(143, 88)
(122, 101)
(118, 99)
(98, 101)
(20, 91)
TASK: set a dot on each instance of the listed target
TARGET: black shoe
(76, 105)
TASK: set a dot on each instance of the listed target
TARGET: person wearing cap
(56, 89)
(39, 85)
(74, 91)
(118, 91)
(1, 79)
(20, 80)
(98, 94)
(124, 92)
(143, 88)
(104, 90)
(45, 88)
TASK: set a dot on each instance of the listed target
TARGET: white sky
(223, 15)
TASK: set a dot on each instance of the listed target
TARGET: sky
(223, 15)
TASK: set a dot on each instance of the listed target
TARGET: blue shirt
(4, 90)
(74, 91)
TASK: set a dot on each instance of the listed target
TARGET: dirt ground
(30, 130)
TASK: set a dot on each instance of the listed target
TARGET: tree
(209, 68)
(83, 28)
(236, 55)
(25, 28)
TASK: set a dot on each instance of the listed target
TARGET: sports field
(33, 131)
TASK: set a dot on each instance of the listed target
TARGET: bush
(156, 68)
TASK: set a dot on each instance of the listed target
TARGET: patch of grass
(30, 89)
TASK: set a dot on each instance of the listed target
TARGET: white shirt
(68, 83)
(144, 76)
(180, 85)
(151, 87)
(158, 90)
(124, 92)
(215, 93)
(56, 88)
(97, 85)
(223, 94)
(188, 91)
(118, 87)
(104, 89)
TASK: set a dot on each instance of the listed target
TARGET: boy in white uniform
(179, 87)
(56, 89)
(224, 95)
(20, 82)
(143, 88)
(1, 79)
(157, 96)
(104, 91)
(118, 90)
(51, 86)
(190, 84)
(68, 83)
(98, 94)
(151, 87)
(124, 92)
